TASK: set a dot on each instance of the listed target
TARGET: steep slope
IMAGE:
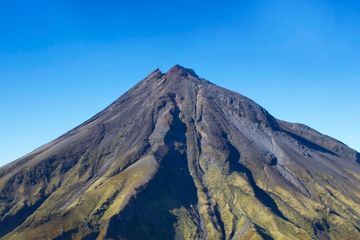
(177, 157)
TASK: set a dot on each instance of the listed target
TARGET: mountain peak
(183, 71)
(157, 72)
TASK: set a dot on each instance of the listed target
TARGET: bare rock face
(177, 157)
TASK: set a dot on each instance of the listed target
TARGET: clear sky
(63, 61)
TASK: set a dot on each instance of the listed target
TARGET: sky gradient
(63, 61)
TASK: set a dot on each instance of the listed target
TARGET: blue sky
(63, 61)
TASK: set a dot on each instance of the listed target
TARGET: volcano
(178, 157)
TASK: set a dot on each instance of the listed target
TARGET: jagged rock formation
(178, 157)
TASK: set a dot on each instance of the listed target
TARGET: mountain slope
(177, 157)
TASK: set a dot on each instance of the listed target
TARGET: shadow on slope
(309, 144)
(148, 215)
(261, 195)
(11, 222)
(262, 232)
